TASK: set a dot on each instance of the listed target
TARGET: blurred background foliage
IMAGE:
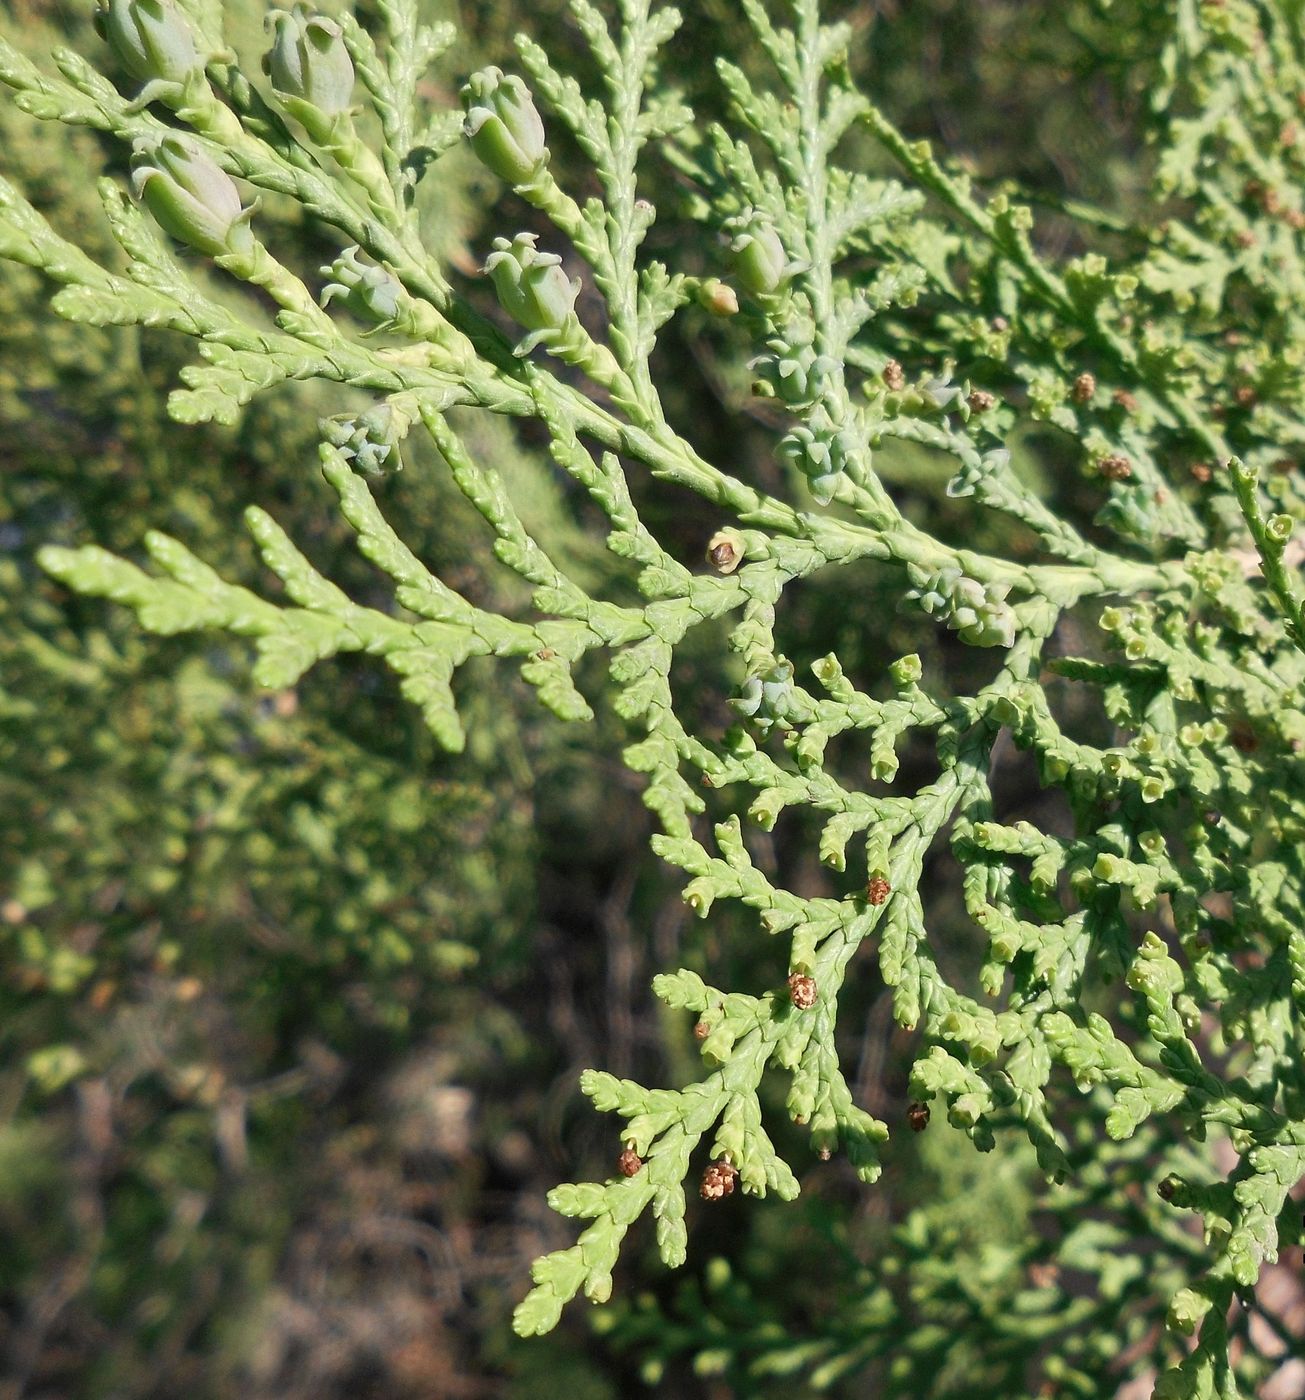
(292, 1004)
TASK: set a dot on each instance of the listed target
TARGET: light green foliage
(1148, 950)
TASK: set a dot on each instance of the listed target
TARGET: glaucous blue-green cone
(192, 198)
(152, 38)
(367, 290)
(748, 701)
(821, 457)
(531, 286)
(503, 126)
(933, 591)
(981, 615)
(978, 612)
(308, 60)
(369, 441)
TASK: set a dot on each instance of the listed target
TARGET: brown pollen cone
(802, 989)
(718, 1181)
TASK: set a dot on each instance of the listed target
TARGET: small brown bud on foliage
(718, 1181)
(877, 890)
(629, 1163)
(1167, 1188)
(1115, 468)
(980, 401)
(1084, 387)
(894, 376)
(1200, 471)
(101, 994)
(701, 1031)
(802, 989)
(917, 1117)
(1121, 398)
(1245, 395)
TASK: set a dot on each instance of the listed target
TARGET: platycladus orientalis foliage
(1154, 958)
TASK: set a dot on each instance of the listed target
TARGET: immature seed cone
(308, 60)
(190, 196)
(718, 1181)
(367, 290)
(802, 989)
(718, 297)
(629, 1163)
(152, 38)
(1116, 468)
(368, 440)
(531, 286)
(894, 376)
(504, 127)
(917, 1117)
(725, 551)
(760, 261)
(980, 614)
(1084, 387)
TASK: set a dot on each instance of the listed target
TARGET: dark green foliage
(227, 919)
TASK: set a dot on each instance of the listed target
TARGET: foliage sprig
(1142, 953)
